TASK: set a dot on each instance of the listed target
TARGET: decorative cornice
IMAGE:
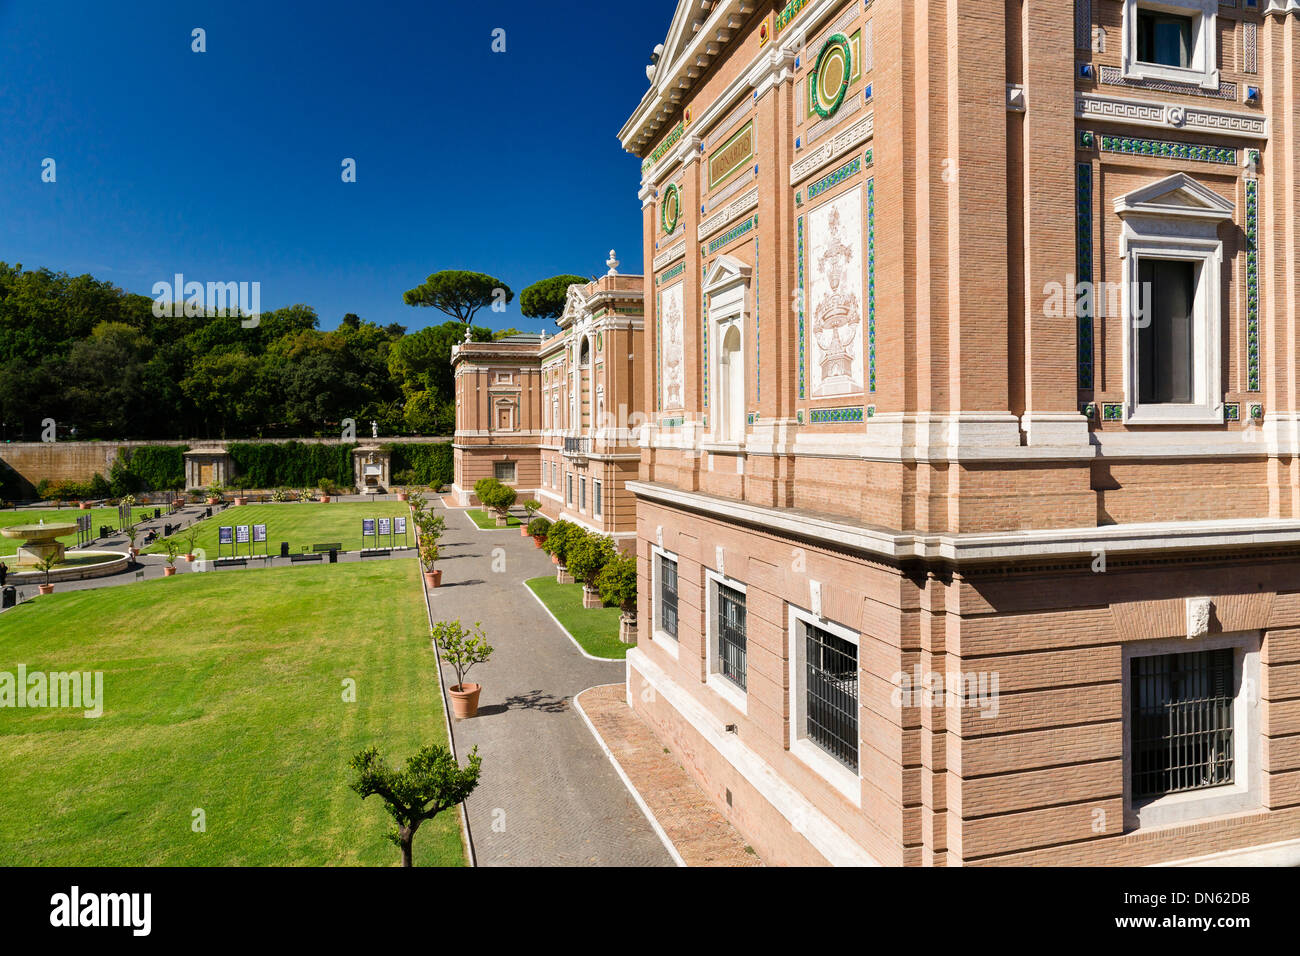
(839, 144)
(676, 252)
(1122, 109)
(733, 210)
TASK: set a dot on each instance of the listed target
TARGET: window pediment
(1176, 196)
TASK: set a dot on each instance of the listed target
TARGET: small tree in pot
(429, 560)
(538, 529)
(500, 498)
(430, 782)
(617, 583)
(587, 558)
(190, 538)
(531, 507)
(462, 648)
(557, 546)
(46, 564)
(173, 548)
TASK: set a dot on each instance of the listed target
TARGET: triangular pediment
(1178, 195)
(726, 272)
(575, 306)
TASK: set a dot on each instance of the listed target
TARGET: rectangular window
(830, 706)
(1164, 38)
(668, 596)
(1181, 722)
(596, 502)
(731, 635)
(569, 496)
(582, 494)
(1166, 344)
(504, 470)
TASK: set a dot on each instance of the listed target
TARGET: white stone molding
(1180, 116)
(733, 210)
(842, 142)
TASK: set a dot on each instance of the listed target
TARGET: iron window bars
(668, 596)
(1181, 730)
(831, 694)
(731, 635)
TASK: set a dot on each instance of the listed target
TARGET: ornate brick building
(969, 506)
(551, 415)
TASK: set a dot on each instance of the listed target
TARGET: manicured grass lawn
(596, 629)
(98, 516)
(301, 524)
(488, 522)
(221, 692)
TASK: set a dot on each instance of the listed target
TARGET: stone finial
(612, 262)
(467, 336)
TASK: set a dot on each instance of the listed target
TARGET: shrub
(269, 464)
(430, 463)
(531, 507)
(483, 487)
(499, 497)
(559, 537)
(149, 468)
(539, 527)
(617, 583)
(588, 557)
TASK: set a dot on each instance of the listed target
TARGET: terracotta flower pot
(539, 540)
(402, 496)
(464, 700)
(433, 578)
(189, 559)
(45, 588)
(84, 506)
(523, 531)
(169, 571)
(324, 499)
(240, 501)
(555, 560)
(214, 501)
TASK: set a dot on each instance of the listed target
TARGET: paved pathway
(548, 794)
(701, 835)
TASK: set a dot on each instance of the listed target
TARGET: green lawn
(98, 516)
(222, 692)
(596, 629)
(301, 524)
(489, 522)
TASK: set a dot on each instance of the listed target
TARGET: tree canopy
(545, 298)
(459, 294)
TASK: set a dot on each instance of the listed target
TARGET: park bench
(231, 563)
(375, 552)
(320, 548)
(296, 558)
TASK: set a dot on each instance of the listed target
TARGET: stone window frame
(657, 634)
(514, 471)
(728, 294)
(724, 688)
(1204, 71)
(844, 780)
(597, 504)
(1181, 232)
(1245, 794)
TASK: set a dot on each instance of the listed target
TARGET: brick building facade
(968, 513)
(551, 415)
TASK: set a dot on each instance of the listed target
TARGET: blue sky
(225, 165)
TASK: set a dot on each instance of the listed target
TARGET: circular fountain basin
(39, 540)
(76, 566)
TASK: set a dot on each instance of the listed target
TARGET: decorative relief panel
(837, 325)
(672, 371)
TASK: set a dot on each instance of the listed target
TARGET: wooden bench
(297, 558)
(321, 548)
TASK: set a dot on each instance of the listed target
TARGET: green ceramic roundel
(670, 209)
(830, 77)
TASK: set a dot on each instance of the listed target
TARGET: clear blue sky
(225, 165)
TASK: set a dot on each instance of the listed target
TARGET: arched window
(731, 387)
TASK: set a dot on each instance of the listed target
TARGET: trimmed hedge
(151, 468)
(291, 464)
(425, 464)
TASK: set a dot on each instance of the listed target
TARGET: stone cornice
(1170, 116)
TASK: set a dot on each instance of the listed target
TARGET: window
(1172, 301)
(830, 693)
(1166, 342)
(596, 503)
(504, 470)
(1164, 38)
(569, 496)
(1181, 723)
(1172, 41)
(731, 645)
(667, 622)
(727, 286)
(582, 494)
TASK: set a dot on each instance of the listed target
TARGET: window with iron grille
(668, 596)
(504, 470)
(569, 496)
(1181, 722)
(582, 494)
(831, 693)
(596, 502)
(731, 635)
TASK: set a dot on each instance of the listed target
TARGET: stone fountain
(39, 540)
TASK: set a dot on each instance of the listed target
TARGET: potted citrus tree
(326, 487)
(538, 529)
(617, 583)
(531, 507)
(173, 548)
(132, 532)
(557, 546)
(46, 564)
(215, 493)
(462, 648)
(190, 537)
(586, 559)
(429, 560)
